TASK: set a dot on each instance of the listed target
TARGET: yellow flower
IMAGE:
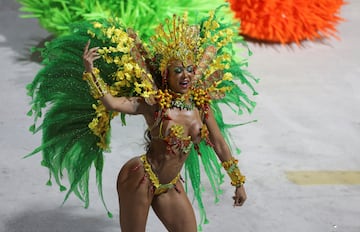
(93, 123)
(227, 76)
(108, 59)
(117, 60)
(128, 76)
(112, 49)
(214, 38)
(92, 34)
(128, 67)
(137, 88)
(97, 25)
(119, 75)
(138, 71)
(214, 25)
(206, 24)
(110, 31)
(229, 32)
(207, 34)
(211, 14)
(103, 50)
(226, 56)
(126, 59)
(145, 94)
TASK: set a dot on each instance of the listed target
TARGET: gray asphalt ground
(308, 116)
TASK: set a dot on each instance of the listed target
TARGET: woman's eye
(178, 70)
(190, 68)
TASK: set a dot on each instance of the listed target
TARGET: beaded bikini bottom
(158, 188)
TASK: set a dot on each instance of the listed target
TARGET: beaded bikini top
(176, 139)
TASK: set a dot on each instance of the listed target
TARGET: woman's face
(180, 76)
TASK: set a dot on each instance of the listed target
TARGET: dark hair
(147, 137)
(153, 66)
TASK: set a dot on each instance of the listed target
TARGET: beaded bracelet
(97, 85)
(237, 179)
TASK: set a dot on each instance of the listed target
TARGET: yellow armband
(97, 85)
(237, 179)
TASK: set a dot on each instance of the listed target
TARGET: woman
(165, 157)
(176, 81)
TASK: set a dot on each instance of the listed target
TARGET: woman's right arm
(128, 105)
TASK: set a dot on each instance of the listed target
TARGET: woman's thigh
(135, 196)
(175, 210)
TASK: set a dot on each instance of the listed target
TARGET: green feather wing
(62, 109)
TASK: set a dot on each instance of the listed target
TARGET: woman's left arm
(223, 151)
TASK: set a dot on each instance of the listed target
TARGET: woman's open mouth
(185, 84)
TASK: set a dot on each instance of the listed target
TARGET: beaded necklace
(182, 101)
(196, 97)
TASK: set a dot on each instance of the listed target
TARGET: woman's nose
(187, 73)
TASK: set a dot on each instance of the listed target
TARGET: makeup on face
(180, 76)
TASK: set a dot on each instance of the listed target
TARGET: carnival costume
(76, 126)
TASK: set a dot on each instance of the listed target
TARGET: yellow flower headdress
(176, 40)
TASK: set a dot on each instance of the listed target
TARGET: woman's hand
(240, 196)
(89, 56)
